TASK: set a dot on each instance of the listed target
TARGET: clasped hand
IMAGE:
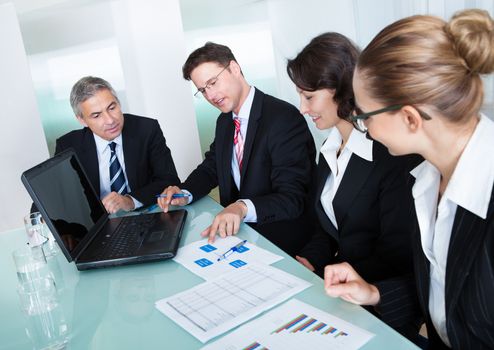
(114, 202)
(341, 280)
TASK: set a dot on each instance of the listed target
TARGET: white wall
(152, 49)
(294, 23)
(22, 141)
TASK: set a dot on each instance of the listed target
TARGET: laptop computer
(79, 222)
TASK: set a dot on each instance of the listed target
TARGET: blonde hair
(422, 60)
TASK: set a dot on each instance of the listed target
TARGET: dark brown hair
(425, 60)
(327, 62)
(210, 52)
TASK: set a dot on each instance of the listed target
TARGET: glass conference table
(113, 308)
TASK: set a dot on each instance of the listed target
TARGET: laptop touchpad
(154, 236)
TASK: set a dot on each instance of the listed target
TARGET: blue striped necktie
(117, 177)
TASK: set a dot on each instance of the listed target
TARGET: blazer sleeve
(321, 248)
(392, 254)
(399, 306)
(204, 178)
(292, 154)
(161, 168)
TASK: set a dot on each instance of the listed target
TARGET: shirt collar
(360, 145)
(244, 111)
(357, 143)
(470, 186)
(102, 144)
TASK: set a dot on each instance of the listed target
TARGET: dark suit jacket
(373, 209)
(148, 161)
(278, 159)
(469, 283)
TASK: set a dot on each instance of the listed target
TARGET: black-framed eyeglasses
(359, 118)
(210, 83)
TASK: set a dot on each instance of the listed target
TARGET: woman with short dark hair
(361, 200)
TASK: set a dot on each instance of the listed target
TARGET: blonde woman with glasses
(419, 90)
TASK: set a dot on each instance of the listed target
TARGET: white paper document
(201, 257)
(294, 325)
(215, 307)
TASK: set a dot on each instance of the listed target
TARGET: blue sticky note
(203, 262)
(242, 249)
(238, 263)
(208, 248)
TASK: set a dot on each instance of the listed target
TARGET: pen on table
(175, 195)
(148, 209)
(232, 249)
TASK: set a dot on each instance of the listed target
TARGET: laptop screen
(68, 198)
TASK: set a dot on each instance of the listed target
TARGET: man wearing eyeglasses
(261, 158)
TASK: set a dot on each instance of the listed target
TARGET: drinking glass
(39, 234)
(46, 324)
(33, 223)
(30, 263)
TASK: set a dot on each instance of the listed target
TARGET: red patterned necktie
(238, 141)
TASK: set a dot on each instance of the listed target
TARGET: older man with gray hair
(125, 156)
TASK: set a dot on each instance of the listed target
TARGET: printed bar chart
(303, 323)
(294, 325)
(255, 346)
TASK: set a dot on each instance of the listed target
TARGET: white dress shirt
(104, 153)
(357, 144)
(470, 187)
(243, 115)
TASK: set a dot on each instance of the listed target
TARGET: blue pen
(231, 250)
(176, 195)
(148, 209)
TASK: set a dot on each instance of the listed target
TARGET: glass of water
(30, 263)
(39, 234)
(46, 324)
(34, 228)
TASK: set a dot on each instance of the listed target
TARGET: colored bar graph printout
(294, 325)
(217, 306)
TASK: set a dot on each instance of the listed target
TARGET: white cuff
(137, 204)
(251, 211)
(190, 197)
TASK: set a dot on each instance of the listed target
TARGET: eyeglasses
(209, 84)
(360, 117)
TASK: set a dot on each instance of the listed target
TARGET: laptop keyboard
(126, 239)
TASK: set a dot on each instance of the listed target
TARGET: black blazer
(373, 209)
(469, 283)
(277, 165)
(148, 161)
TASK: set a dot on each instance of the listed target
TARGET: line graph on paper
(217, 306)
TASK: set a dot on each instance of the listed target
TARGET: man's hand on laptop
(166, 198)
(114, 202)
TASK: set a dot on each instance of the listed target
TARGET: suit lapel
(89, 157)
(422, 268)
(254, 116)
(131, 149)
(467, 235)
(224, 152)
(323, 172)
(356, 173)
